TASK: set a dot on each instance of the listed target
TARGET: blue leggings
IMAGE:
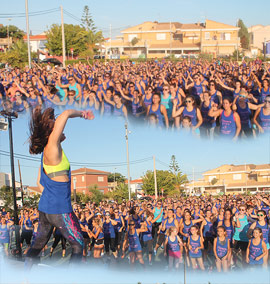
(70, 229)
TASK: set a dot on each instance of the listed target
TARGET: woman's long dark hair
(41, 126)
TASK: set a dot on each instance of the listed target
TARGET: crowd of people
(205, 232)
(207, 99)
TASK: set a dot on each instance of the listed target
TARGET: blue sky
(123, 13)
(103, 141)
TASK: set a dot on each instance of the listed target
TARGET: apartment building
(154, 39)
(83, 178)
(233, 179)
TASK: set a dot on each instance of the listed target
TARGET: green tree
(95, 194)
(118, 177)
(74, 38)
(120, 193)
(134, 41)
(14, 32)
(174, 167)
(17, 54)
(164, 180)
(92, 39)
(214, 181)
(243, 34)
(6, 196)
(87, 21)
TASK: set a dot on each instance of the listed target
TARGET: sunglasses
(260, 215)
(131, 224)
(188, 101)
(266, 101)
(242, 210)
(107, 214)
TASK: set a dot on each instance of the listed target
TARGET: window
(227, 36)
(237, 176)
(131, 37)
(83, 191)
(82, 178)
(211, 178)
(100, 179)
(222, 36)
(253, 177)
(207, 35)
(156, 51)
(161, 36)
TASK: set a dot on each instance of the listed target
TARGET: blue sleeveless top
(158, 114)
(255, 251)
(197, 90)
(192, 114)
(208, 229)
(265, 232)
(118, 111)
(263, 94)
(222, 249)
(195, 244)
(208, 121)
(108, 230)
(146, 236)
(147, 102)
(229, 230)
(4, 234)
(134, 242)
(265, 121)
(173, 245)
(227, 125)
(186, 229)
(245, 114)
(56, 196)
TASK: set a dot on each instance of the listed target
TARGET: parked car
(99, 56)
(53, 61)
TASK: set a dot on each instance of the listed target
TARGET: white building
(37, 42)
(136, 186)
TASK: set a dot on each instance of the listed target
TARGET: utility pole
(129, 193)
(10, 115)
(74, 189)
(27, 30)
(63, 38)
(20, 180)
(237, 52)
(8, 32)
(193, 179)
(155, 177)
(264, 50)
(110, 41)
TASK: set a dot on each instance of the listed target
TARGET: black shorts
(148, 245)
(240, 245)
(118, 239)
(160, 239)
(27, 236)
(109, 244)
(207, 240)
(98, 242)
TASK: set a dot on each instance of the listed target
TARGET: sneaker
(155, 252)
(43, 253)
(89, 253)
(150, 263)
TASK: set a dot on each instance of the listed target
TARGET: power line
(22, 15)
(118, 164)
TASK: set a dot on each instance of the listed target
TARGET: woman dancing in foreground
(54, 180)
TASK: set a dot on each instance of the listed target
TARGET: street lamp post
(8, 32)
(12, 115)
(74, 189)
(129, 193)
